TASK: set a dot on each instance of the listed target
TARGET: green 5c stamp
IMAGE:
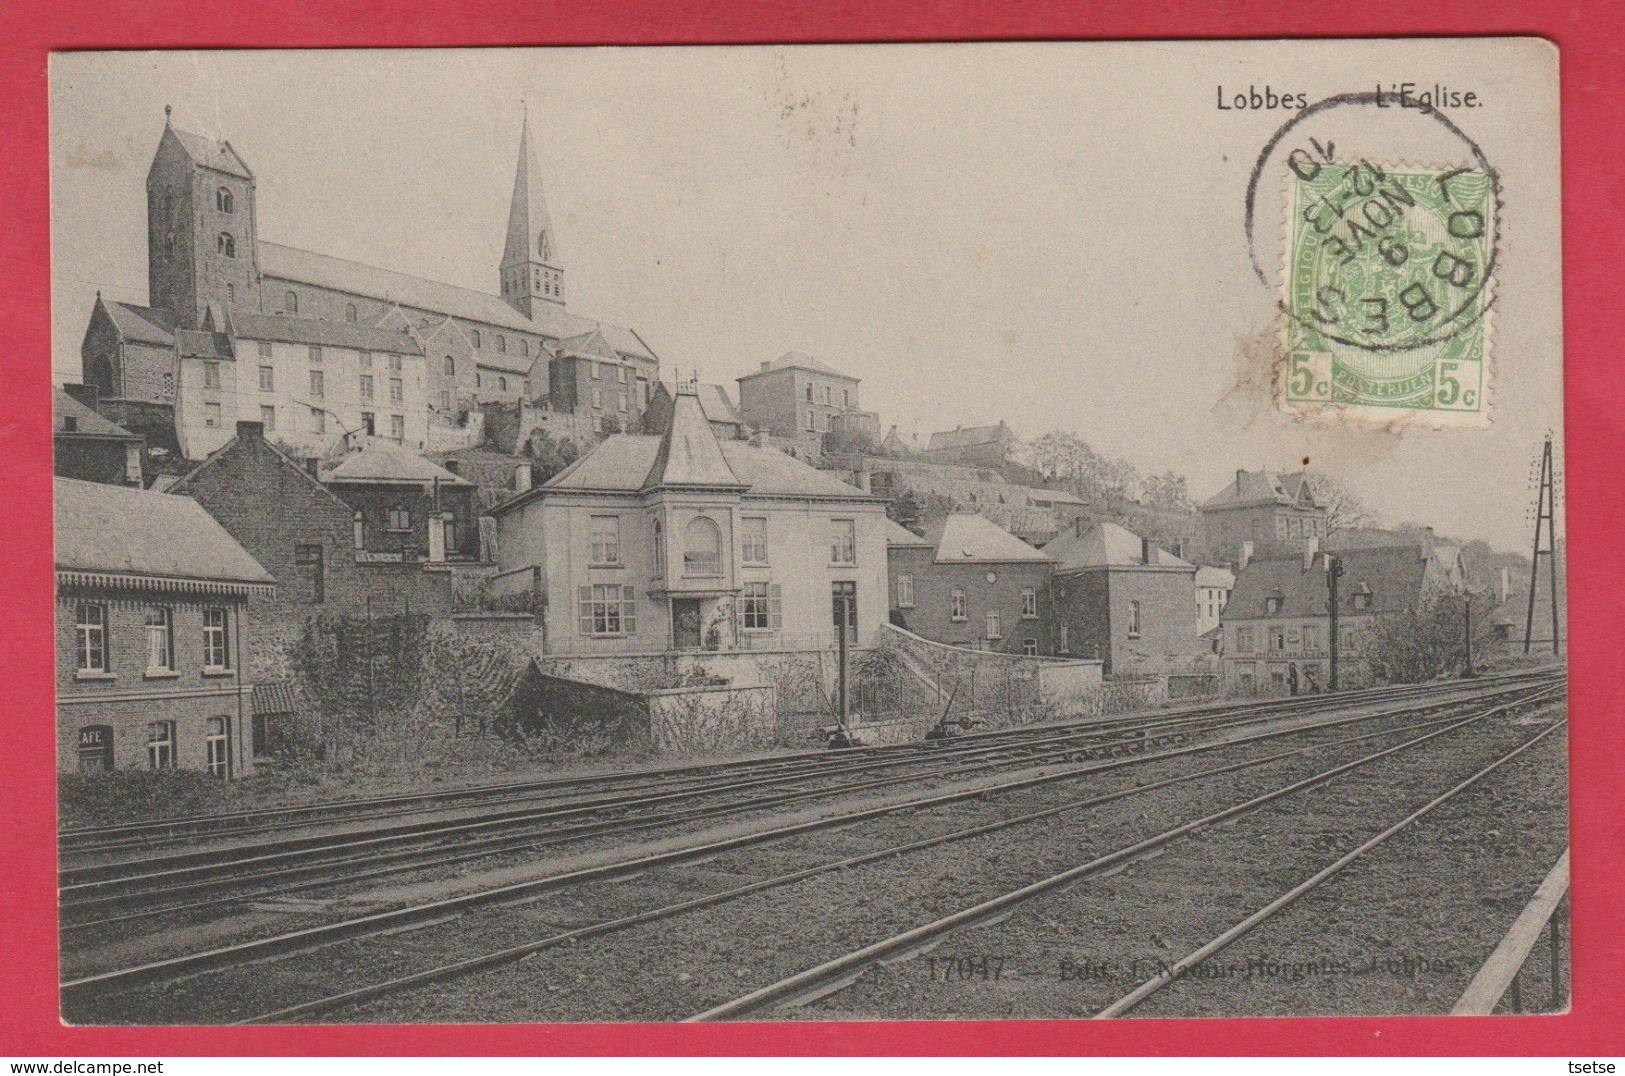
(1387, 290)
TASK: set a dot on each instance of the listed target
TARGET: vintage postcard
(958, 531)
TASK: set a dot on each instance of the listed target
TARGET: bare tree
(1344, 508)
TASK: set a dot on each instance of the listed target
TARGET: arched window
(475, 333)
(451, 366)
(660, 549)
(222, 200)
(290, 303)
(524, 348)
(502, 384)
(502, 344)
(702, 547)
(225, 244)
(541, 245)
(349, 312)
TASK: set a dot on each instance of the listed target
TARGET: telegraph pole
(1334, 572)
(1543, 517)
(1467, 671)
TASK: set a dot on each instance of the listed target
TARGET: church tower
(202, 249)
(530, 260)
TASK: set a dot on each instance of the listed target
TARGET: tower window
(290, 302)
(475, 333)
(502, 344)
(451, 366)
(226, 245)
(349, 312)
(541, 244)
(222, 200)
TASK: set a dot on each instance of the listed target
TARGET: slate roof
(1106, 545)
(139, 323)
(116, 530)
(1393, 575)
(385, 462)
(795, 360)
(689, 453)
(87, 422)
(213, 153)
(899, 536)
(717, 406)
(323, 333)
(322, 270)
(964, 538)
(1209, 576)
(968, 436)
(1052, 496)
(591, 344)
(199, 344)
(273, 699)
(1259, 487)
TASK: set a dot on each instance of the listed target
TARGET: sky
(1051, 235)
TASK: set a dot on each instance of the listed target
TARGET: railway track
(83, 992)
(102, 895)
(831, 975)
(84, 842)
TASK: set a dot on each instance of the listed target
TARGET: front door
(685, 623)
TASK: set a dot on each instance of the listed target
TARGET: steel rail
(520, 892)
(518, 952)
(1177, 970)
(816, 980)
(118, 891)
(229, 824)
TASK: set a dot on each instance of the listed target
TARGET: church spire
(530, 261)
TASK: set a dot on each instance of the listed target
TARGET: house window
(396, 390)
(268, 418)
(160, 651)
(290, 303)
(1029, 602)
(1272, 606)
(702, 547)
(812, 423)
(594, 371)
(161, 745)
(844, 597)
(364, 358)
(451, 366)
(369, 422)
(222, 200)
(843, 542)
(317, 384)
(350, 313)
(1060, 640)
(994, 626)
(846, 404)
(445, 400)
(606, 541)
(318, 420)
(621, 406)
(211, 375)
(1311, 637)
(90, 638)
(225, 245)
(1362, 599)
(311, 556)
(760, 607)
(502, 384)
(397, 427)
(1244, 640)
(754, 532)
(400, 519)
(475, 334)
(607, 609)
(216, 649)
(1029, 647)
(366, 386)
(211, 415)
(598, 397)
(826, 395)
(502, 344)
(1133, 620)
(1277, 638)
(315, 355)
(393, 362)
(905, 592)
(265, 348)
(809, 394)
(956, 604)
(217, 745)
(267, 379)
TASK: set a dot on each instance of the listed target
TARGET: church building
(317, 348)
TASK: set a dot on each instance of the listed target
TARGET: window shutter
(629, 610)
(584, 600)
(775, 608)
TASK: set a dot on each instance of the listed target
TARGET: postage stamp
(1387, 290)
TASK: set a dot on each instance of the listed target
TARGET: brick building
(86, 446)
(684, 542)
(219, 294)
(1125, 601)
(971, 584)
(151, 640)
(1261, 514)
(971, 446)
(797, 399)
(1277, 627)
(407, 509)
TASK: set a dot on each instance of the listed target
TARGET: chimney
(1246, 554)
(1240, 475)
(89, 395)
(761, 439)
(251, 431)
(1311, 546)
(1506, 585)
(70, 423)
(1427, 543)
(521, 478)
(766, 366)
(1148, 551)
(313, 467)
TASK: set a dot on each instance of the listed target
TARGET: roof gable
(215, 153)
(963, 538)
(1393, 577)
(122, 531)
(689, 453)
(385, 462)
(1107, 545)
(86, 423)
(142, 324)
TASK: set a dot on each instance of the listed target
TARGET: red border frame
(1592, 45)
